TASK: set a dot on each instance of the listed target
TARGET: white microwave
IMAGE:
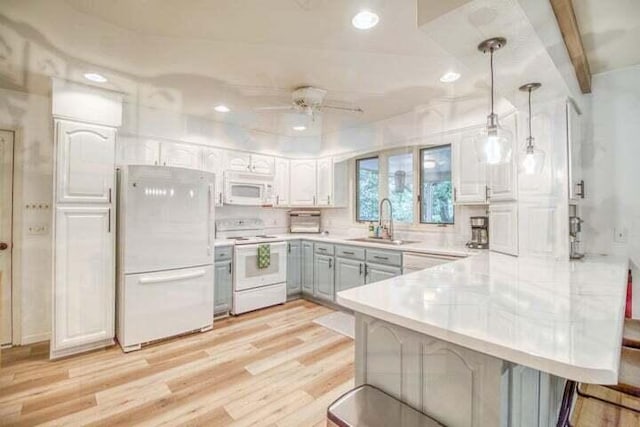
(248, 189)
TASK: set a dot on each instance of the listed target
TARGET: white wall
(30, 117)
(611, 172)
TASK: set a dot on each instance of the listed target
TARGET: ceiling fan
(309, 100)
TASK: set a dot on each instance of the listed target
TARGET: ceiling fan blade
(274, 108)
(349, 109)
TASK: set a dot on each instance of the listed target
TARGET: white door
(237, 161)
(262, 164)
(302, 189)
(213, 161)
(503, 177)
(84, 277)
(180, 155)
(281, 183)
(136, 152)
(470, 175)
(85, 165)
(503, 228)
(325, 182)
(6, 189)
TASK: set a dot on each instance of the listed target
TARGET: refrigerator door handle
(171, 278)
(209, 206)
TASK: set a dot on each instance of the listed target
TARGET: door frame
(15, 289)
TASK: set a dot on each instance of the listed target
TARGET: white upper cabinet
(136, 152)
(324, 181)
(180, 155)
(503, 178)
(303, 183)
(574, 145)
(281, 184)
(85, 163)
(237, 161)
(503, 228)
(470, 174)
(263, 164)
(213, 161)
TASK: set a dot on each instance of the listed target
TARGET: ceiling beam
(566, 17)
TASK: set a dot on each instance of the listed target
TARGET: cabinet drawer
(384, 257)
(223, 253)
(324, 248)
(350, 252)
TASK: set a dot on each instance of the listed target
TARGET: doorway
(6, 219)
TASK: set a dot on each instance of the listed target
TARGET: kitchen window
(436, 189)
(367, 189)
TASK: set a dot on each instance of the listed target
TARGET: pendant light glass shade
(532, 159)
(494, 143)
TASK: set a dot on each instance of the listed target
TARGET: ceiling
(610, 32)
(190, 55)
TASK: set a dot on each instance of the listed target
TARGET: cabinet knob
(3, 246)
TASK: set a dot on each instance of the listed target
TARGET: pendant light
(532, 160)
(493, 144)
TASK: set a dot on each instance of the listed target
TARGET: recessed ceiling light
(365, 20)
(299, 128)
(95, 77)
(222, 108)
(450, 77)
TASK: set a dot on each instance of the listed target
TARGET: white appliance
(253, 287)
(248, 188)
(416, 261)
(165, 253)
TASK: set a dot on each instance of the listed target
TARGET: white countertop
(560, 317)
(420, 247)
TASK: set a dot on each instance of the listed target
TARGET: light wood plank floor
(274, 367)
(594, 413)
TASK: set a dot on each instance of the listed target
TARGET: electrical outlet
(620, 235)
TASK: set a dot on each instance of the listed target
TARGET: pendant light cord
(530, 142)
(491, 62)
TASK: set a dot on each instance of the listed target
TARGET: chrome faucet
(390, 216)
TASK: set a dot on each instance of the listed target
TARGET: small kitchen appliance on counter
(301, 221)
(575, 228)
(479, 233)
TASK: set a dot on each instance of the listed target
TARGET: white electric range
(254, 287)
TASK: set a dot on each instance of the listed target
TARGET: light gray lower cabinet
(349, 273)
(457, 386)
(323, 270)
(378, 272)
(223, 287)
(294, 268)
(307, 267)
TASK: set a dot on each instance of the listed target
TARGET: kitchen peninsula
(491, 339)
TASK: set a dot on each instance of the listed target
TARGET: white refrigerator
(165, 253)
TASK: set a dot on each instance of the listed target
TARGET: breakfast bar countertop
(560, 317)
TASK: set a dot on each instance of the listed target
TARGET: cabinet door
(376, 273)
(349, 274)
(281, 193)
(85, 163)
(213, 161)
(263, 164)
(84, 278)
(323, 277)
(180, 155)
(237, 161)
(470, 175)
(302, 190)
(503, 228)
(574, 145)
(222, 289)
(134, 152)
(294, 268)
(502, 178)
(307, 267)
(325, 182)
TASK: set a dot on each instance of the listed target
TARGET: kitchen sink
(383, 241)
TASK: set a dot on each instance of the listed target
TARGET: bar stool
(628, 379)
(367, 406)
(631, 333)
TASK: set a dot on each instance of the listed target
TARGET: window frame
(357, 187)
(421, 150)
